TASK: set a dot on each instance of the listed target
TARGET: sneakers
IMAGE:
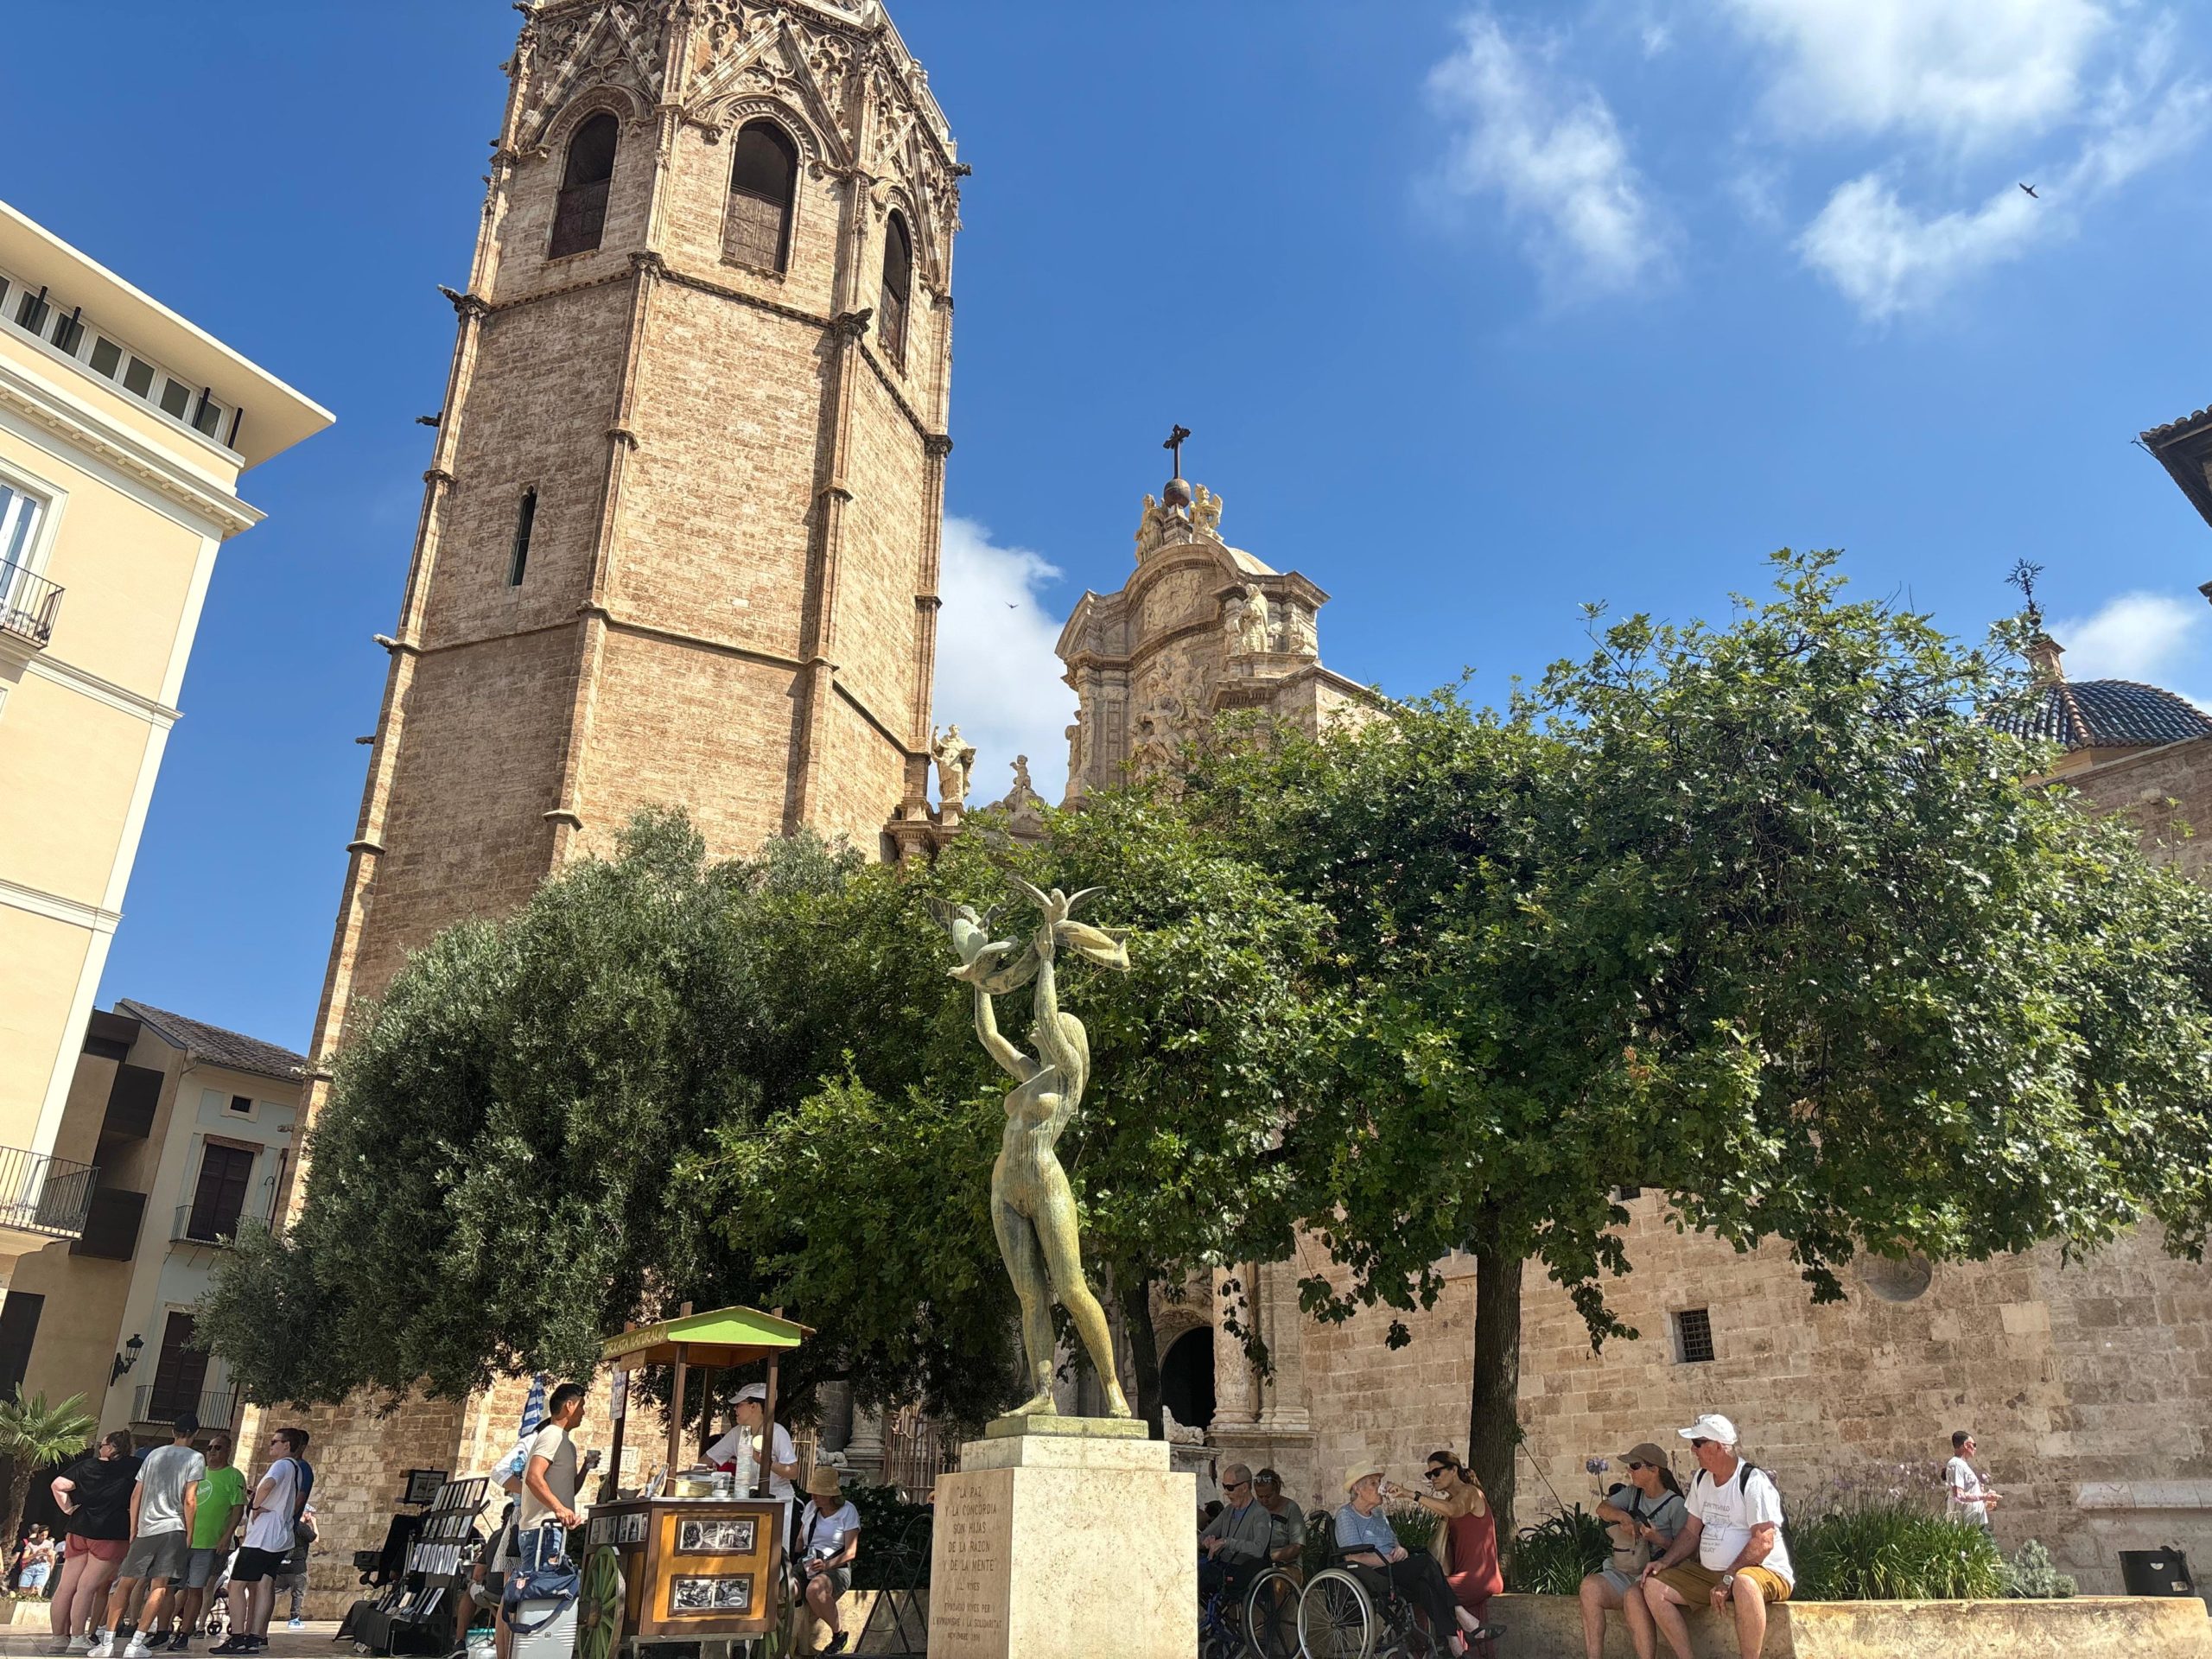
(295, 1624)
(837, 1644)
(182, 1641)
(81, 1644)
(103, 1649)
(139, 1648)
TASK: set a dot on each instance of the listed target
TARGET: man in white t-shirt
(1735, 1527)
(272, 1529)
(162, 1507)
(547, 1492)
(1967, 1498)
(737, 1449)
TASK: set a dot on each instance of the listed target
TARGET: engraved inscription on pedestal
(968, 1580)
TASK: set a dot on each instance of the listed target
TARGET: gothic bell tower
(680, 535)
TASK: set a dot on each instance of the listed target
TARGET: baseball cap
(1645, 1452)
(752, 1391)
(1711, 1426)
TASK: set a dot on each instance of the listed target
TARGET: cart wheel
(599, 1605)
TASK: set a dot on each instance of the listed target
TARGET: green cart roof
(728, 1336)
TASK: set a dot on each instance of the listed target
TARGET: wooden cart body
(697, 1569)
(696, 1566)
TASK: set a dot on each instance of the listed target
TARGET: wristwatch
(1728, 1580)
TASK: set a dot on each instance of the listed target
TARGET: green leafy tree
(874, 1210)
(493, 1187)
(34, 1436)
(1769, 917)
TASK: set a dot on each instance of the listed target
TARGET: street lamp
(126, 1359)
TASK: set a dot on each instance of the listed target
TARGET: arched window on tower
(898, 286)
(581, 216)
(763, 181)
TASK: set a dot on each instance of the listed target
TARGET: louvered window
(219, 1199)
(580, 218)
(898, 286)
(763, 181)
(179, 1374)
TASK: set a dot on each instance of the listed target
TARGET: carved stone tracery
(616, 43)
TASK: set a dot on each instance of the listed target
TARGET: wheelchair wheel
(1271, 1615)
(1336, 1620)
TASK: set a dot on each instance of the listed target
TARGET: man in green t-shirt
(214, 1528)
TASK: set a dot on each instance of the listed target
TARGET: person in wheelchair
(1365, 1542)
(1236, 1542)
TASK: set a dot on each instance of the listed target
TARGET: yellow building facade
(123, 429)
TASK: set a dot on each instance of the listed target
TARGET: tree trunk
(1134, 1290)
(1493, 1417)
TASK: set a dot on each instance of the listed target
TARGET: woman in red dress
(1468, 1538)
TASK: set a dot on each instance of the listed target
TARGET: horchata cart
(680, 1563)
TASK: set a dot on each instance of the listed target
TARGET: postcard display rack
(416, 1614)
(695, 1567)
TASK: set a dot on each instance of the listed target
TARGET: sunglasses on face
(1234, 1485)
(1700, 1446)
(1633, 1467)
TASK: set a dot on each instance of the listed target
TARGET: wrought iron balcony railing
(44, 1194)
(28, 605)
(150, 1402)
(194, 1226)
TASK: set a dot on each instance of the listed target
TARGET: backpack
(303, 1532)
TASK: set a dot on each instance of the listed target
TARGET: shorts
(1694, 1582)
(255, 1564)
(840, 1579)
(100, 1549)
(200, 1568)
(1623, 1582)
(156, 1555)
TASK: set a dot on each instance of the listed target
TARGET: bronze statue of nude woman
(1032, 1210)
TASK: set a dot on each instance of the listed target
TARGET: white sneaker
(138, 1650)
(103, 1649)
(81, 1644)
(296, 1624)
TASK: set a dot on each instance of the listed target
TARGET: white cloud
(1970, 74)
(997, 676)
(2138, 636)
(1548, 148)
(1888, 257)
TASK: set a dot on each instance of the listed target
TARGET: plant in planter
(2032, 1575)
(1894, 1549)
(34, 1434)
(1553, 1557)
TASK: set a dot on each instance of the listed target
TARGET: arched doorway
(1186, 1378)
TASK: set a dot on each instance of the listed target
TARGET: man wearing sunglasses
(1735, 1527)
(1235, 1543)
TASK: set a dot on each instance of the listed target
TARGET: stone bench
(2084, 1627)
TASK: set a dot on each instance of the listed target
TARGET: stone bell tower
(679, 541)
(679, 537)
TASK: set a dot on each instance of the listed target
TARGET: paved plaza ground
(17, 1642)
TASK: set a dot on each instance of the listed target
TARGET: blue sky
(1477, 313)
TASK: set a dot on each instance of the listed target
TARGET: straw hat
(823, 1481)
(1358, 1472)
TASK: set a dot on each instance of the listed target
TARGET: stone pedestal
(1064, 1538)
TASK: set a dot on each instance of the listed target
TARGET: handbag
(546, 1575)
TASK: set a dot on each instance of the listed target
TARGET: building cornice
(60, 671)
(56, 908)
(222, 515)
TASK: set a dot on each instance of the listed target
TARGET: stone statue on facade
(1023, 806)
(1299, 635)
(1252, 631)
(1032, 1209)
(956, 760)
(1150, 529)
(1206, 511)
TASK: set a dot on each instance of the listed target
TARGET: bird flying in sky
(2030, 189)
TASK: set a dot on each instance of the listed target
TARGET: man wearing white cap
(739, 1450)
(1735, 1527)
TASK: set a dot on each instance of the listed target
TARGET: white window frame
(89, 333)
(53, 501)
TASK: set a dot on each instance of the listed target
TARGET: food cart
(678, 1561)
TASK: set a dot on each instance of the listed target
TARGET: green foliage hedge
(1895, 1550)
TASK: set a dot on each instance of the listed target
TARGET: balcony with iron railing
(155, 1405)
(28, 605)
(197, 1225)
(44, 1195)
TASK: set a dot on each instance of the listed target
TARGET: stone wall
(2167, 794)
(2088, 1387)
